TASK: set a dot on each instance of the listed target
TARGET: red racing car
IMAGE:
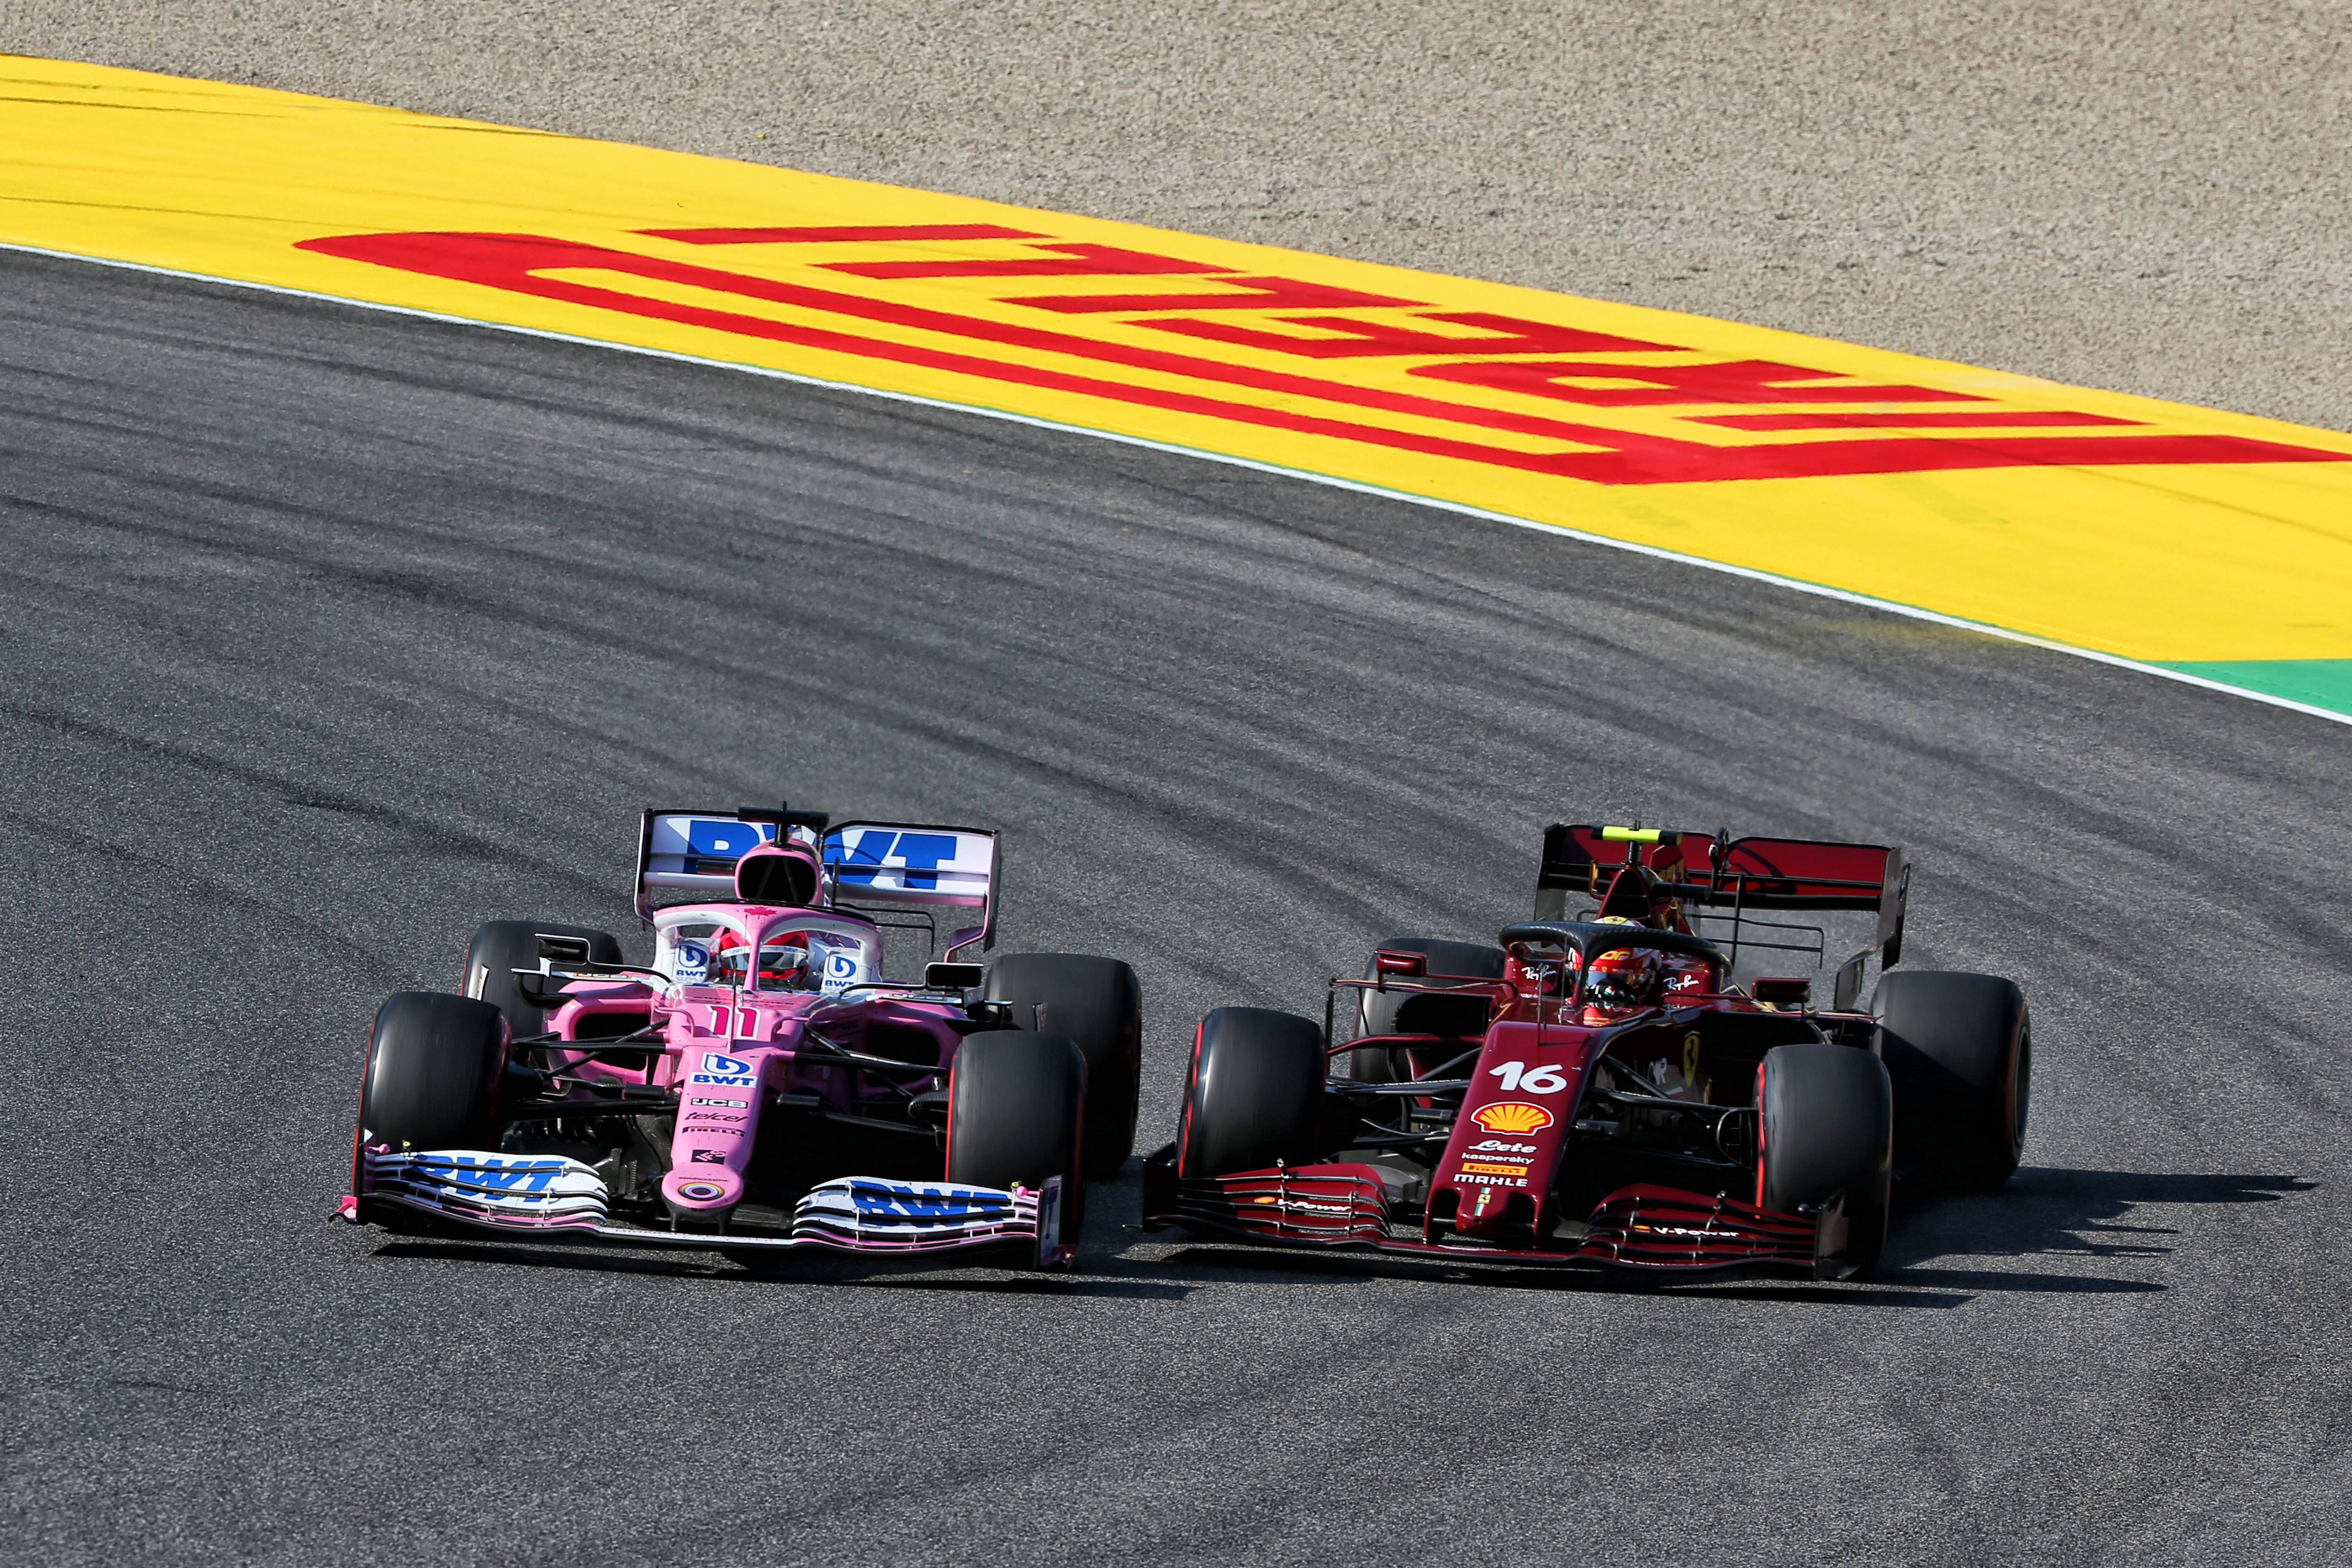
(1596, 1088)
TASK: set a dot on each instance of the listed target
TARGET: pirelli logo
(1166, 334)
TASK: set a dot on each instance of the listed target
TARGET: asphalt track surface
(2138, 196)
(327, 632)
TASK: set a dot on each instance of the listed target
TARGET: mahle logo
(1512, 1116)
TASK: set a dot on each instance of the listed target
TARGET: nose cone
(701, 1191)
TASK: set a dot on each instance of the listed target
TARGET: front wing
(548, 1195)
(1344, 1205)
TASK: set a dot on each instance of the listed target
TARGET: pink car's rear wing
(868, 866)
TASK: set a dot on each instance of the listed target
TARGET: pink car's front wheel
(434, 1066)
(1015, 1105)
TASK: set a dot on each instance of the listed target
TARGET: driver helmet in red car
(1620, 983)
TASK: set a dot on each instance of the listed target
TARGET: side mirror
(1848, 988)
(954, 976)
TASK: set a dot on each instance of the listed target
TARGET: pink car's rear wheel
(1096, 1002)
(501, 947)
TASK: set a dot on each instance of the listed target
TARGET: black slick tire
(1827, 1127)
(501, 947)
(1254, 1095)
(434, 1064)
(1096, 1002)
(1376, 1011)
(1015, 1113)
(1960, 1050)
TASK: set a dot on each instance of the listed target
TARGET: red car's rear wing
(1733, 874)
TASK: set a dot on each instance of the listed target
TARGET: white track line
(1794, 585)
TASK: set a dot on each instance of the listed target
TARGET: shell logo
(1512, 1116)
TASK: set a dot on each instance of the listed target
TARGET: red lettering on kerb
(1651, 385)
(1427, 423)
(1350, 339)
(1061, 261)
(837, 233)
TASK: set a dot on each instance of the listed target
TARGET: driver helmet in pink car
(786, 962)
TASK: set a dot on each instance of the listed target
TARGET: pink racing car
(759, 1085)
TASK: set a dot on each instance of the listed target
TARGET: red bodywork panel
(1514, 1121)
(1715, 873)
(1489, 1194)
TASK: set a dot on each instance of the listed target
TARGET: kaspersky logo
(1512, 1116)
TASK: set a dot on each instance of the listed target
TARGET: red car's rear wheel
(1960, 1049)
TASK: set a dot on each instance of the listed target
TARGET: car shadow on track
(890, 1276)
(2050, 1212)
(1241, 1261)
(2044, 1213)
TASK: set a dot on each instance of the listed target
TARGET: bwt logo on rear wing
(694, 853)
(903, 864)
